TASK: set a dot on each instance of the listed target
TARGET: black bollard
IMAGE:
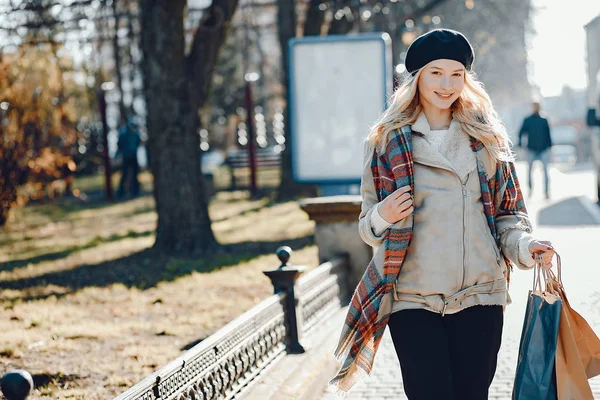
(283, 279)
(16, 384)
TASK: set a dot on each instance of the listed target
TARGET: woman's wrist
(378, 223)
(525, 255)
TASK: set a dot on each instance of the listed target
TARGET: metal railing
(322, 292)
(223, 365)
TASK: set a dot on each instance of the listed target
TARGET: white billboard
(339, 85)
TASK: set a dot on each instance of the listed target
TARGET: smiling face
(441, 83)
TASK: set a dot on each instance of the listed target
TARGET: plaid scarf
(370, 308)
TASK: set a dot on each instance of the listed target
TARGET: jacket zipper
(464, 206)
(464, 246)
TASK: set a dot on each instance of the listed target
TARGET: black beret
(439, 44)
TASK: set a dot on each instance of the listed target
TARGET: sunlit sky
(557, 53)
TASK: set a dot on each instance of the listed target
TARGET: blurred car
(563, 135)
(563, 154)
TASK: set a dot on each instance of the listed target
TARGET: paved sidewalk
(577, 244)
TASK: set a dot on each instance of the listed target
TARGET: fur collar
(454, 153)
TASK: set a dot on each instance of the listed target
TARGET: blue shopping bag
(535, 378)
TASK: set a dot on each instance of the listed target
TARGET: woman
(443, 209)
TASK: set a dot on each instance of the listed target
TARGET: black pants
(129, 177)
(447, 358)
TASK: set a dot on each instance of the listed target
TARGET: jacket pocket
(494, 245)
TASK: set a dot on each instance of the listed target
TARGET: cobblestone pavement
(577, 245)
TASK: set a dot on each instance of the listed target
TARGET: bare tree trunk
(262, 57)
(175, 87)
(12, 175)
(314, 19)
(380, 22)
(68, 140)
(117, 58)
(286, 19)
(133, 65)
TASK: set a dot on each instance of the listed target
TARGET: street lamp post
(100, 93)
(251, 77)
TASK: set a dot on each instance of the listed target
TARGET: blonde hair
(473, 109)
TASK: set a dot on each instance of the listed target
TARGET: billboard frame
(385, 41)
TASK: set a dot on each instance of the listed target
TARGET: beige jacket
(453, 261)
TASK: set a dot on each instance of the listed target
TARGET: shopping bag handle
(558, 269)
(540, 272)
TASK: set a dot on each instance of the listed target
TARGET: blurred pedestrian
(443, 209)
(539, 142)
(128, 143)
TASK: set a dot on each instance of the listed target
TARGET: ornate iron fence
(322, 292)
(223, 365)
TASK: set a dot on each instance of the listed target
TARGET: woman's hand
(545, 250)
(397, 205)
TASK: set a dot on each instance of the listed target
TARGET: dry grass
(89, 309)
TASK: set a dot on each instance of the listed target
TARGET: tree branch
(209, 37)
(345, 24)
(422, 11)
(314, 18)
